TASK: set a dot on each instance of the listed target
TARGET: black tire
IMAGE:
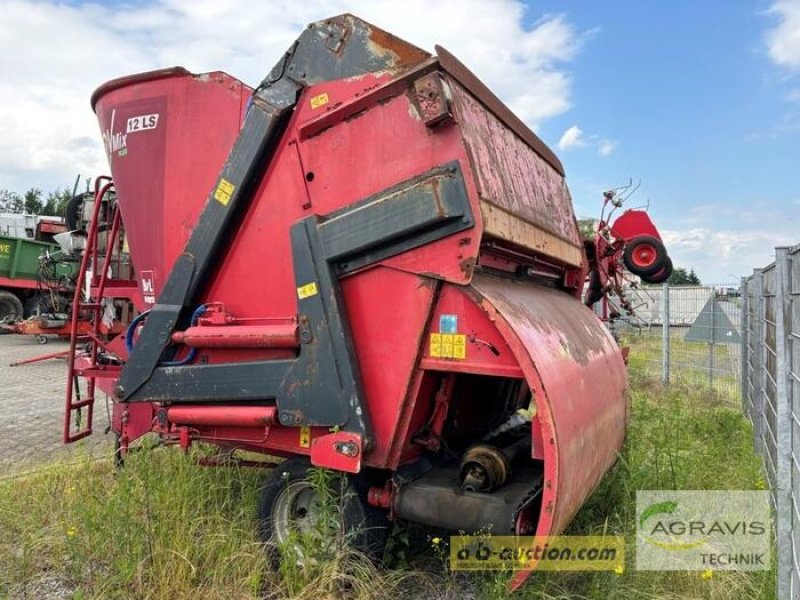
(594, 293)
(656, 254)
(10, 307)
(662, 275)
(72, 214)
(364, 526)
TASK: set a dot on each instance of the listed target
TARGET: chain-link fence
(687, 333)
(771, 397)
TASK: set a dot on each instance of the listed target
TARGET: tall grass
(165, 527)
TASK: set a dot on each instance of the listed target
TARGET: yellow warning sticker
(319, 100)
(460, 346)
(224, 190)
(448, 345)
(305, 436)
(307, 290)
(435, 350)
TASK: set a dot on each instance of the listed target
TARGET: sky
(698, 101)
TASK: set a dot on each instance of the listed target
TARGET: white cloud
(575, 138)
(783, 40)
(606, 147)
(572, 138)
(53, 56)
(720, 256)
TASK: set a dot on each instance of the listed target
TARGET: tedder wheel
(291, 506)
(645, 255)
(594, 293)
(662, 275)
(10, 307)
(72, 214)
(41, 339)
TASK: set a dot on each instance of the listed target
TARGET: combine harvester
(369, 264)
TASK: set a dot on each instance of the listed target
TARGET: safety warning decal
(305, 436)
(307, 290)
(224, 190)
(448, 345)
(319, 100)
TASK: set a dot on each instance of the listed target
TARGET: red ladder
(99, 281)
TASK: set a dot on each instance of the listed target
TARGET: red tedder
(369, 264)
(632, 242)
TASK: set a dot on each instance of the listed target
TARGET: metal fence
(687, 333)
(771, 397)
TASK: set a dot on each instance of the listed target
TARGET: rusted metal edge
(486, 97)
(393, 87)
(114, 84)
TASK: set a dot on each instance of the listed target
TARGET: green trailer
(21, 274)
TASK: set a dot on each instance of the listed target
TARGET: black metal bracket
(322, 385)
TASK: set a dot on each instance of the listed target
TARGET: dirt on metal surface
(32, 408)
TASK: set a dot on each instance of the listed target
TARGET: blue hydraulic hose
(198, 312)
(132, 329)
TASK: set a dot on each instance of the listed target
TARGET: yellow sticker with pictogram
(460, 346)
(307, 290)
(448, 345)
(224, 191)
(305, 436)
(319, 100)
(435, 350)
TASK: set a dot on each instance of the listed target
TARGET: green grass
(689, 361)
(165, 527)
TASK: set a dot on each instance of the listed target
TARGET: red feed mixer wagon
(368, 263)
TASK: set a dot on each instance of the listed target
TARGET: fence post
(665, 338)
(793, 368)
(783, 515)
(744, 325)
(758, 364)
(711, 343)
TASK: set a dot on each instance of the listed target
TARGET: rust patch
(404, 54)
(467, 266)
(431, 99)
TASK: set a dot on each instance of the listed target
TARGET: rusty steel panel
(578, 378)
(485, 96)
(510, 173)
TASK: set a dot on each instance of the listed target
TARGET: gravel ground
(32, 407)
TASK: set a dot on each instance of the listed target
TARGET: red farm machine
(369, 264)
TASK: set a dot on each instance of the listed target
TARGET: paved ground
(32, 407)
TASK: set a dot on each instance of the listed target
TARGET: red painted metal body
(431, 326)
(633, 223)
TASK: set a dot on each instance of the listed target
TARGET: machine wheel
(645, 255)
(41, 339)
(10, 307)
(662, 275)
(594, 293)
(72, 214)
(290, 504)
